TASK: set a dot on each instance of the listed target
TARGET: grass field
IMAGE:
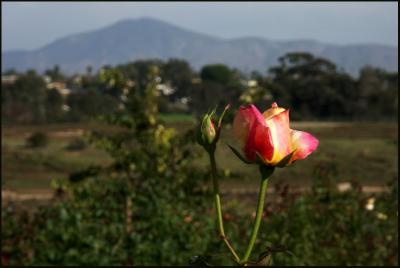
(25, 169)
(364, 152)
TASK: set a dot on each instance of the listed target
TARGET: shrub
(105, 223)
(37, 139)
(149, 206)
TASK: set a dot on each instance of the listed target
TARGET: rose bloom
(269, 136)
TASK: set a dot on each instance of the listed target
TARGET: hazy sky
(31, 25)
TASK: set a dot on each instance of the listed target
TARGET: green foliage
(55, 73)
(53, 106)
(378, 93)
(106, 223)
(312, 87)
(324, 227)
(321, 228)
(24, 101)
(87, 105)
(37, 140)
(16, 244)
(179, 74)
(333, 228)
(147, 207)
(218, 73)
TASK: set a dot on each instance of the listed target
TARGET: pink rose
(269, 136)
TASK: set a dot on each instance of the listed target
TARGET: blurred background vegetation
(311, 87)
(102, 168)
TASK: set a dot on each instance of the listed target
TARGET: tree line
(312, 87)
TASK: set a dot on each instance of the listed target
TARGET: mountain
(145, 38)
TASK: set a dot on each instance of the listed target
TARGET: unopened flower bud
(207, 129)
(208, 134)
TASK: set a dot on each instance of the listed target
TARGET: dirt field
(362, 152)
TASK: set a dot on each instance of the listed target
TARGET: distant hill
(145, 38)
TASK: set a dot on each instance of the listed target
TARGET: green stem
(218, 206)
(265, 173)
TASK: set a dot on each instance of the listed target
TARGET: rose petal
(304, 143)
(259, 141)
(274, 110)
(250, 128)
(244, 120)
(280, 133)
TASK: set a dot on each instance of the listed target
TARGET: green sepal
(285, 160)
(266, 171)
(222, 115)
(236, 152)
(260, 159)
(219, 125)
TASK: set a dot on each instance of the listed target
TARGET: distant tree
(180, 75)
(220, 86)
(24, 101)
(378, 91)
(112, 81)
(11, 71)
(55, 73)
(218, 73)
(207, 94)
(89, 70)
(54, 106)
(312, 87)
(89, 104)
(138, 72)
(256, 75)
